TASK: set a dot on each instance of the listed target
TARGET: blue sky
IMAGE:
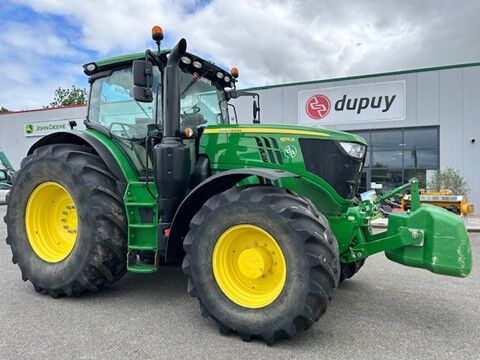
(23, 18)
(44, 43)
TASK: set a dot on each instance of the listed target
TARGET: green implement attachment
(443, 246)
(426, 236)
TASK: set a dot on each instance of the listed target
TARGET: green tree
(449, 179)
(3, 109)
(68, 97)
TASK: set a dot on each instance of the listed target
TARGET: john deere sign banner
(42, 128)
(354, 103)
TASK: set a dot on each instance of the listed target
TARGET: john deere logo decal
(290, 151)
(318, 106)
(29, 128)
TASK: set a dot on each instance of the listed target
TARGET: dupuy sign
(354, 103)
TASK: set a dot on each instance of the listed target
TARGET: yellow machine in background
(445, 199)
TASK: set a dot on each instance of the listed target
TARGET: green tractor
(264, 218)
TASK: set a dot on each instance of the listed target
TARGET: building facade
(20, 130)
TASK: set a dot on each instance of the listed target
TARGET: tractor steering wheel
(195, 110)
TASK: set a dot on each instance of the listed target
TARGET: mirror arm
(235, 94)
(148, 73)
(150, 55)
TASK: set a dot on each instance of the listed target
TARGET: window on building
(395, 156)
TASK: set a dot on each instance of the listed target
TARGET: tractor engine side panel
(237, 150)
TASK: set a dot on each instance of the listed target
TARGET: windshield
(200, 97)
(112, 104)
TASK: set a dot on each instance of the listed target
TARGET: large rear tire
(261, 262)
(66, 223)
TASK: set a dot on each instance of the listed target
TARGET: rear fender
(101, 144)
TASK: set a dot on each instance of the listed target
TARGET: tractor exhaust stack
(171, 100)
(171, 156)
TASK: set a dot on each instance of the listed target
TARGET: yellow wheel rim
(249, 266)
(51, 222)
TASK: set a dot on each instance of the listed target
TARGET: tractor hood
(285, 131)
(329, 159)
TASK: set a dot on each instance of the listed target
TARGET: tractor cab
(113, 108)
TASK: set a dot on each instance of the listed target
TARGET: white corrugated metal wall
(13, 140)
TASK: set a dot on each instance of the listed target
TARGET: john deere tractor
(264, 218)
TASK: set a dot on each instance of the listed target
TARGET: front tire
(65, 221)
(280, 227)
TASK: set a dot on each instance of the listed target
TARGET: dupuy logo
(318, 106)
(29, 128)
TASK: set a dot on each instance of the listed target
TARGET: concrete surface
(387, 311)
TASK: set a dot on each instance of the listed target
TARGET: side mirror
(3, 175)
(256, 111)
(235, 94)
(142, 79)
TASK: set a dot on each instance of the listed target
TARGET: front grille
(328, 160)
(269, 150)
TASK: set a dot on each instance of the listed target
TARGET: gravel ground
(387, 311)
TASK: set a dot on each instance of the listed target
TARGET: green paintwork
(231, 147)
(425, 237)
(115, 60)
(116, 151)
(352, 228)
(447, 252)
(445, 248)
(142, 236)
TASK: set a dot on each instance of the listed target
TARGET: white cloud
(28, 67)
(282, 41)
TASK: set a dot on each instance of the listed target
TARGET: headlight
(353, 149)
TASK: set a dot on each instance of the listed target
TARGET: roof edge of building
(42, 109)
(365, 76)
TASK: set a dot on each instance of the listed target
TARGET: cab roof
(208, 69)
